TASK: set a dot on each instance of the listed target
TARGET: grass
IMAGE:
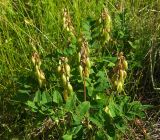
(33, 25)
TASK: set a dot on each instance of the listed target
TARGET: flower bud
(70, 88)
(81, 71)
(39, 63)
(115, 82)
(66, 60)
(121, 74)
(124, 74)
(59, 69)
(33, 60)
(90, 126)
(88, 63)
(67, 77)
(40, 82)
(79, 57)
(67, 69)
(108, 22)
(64, 79)
(88, 50)
(42, 76)
(86, 72)
(125, 64)
(39, 73)
(37, 70)
(119, 86)
(65, 95)
(107, 37)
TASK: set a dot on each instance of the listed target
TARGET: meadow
(79, 69)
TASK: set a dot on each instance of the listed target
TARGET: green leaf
(110, 137)
(76, 129)
(77, 119)
(46, 98)
(37, 97)
(112, 109)
(56, 97)
(86, 26)
(111, 64)
(111, 59)
(120, 124)
(96, 122)
(83, 108)
(32, 105)
(134, 44)
(102, 82)
(27, 86)
(90, 90)
(71, 101)
(67, 137)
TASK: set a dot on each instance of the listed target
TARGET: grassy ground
(33, 25)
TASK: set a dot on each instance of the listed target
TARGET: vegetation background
(28, 111)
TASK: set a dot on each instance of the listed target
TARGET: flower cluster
(106, 22)
(120, 73)
(37, 64)
(67, 22)
(64, 71)
(84, 60)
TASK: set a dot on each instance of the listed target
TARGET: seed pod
(33, 60)
(41, 76)
(121, 74)
(39, 63)
(88, 50)
(88, 63)
(40, 82)
(65, 95)
(67, 29)
(108, 22)
(71, 34)
(37, 70)
(86, 72)
(115, 82)
(124, 74)
(67, 69)
(79, 57)
(90, 126)
(107, 37)
(66, 60)
(59, 69)
(120, 54)
(125, 64)
(67, 77)
(62, 69)
(60, 62)
(119, 86)
(64, 79)
(70, 88)
(81, 71)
